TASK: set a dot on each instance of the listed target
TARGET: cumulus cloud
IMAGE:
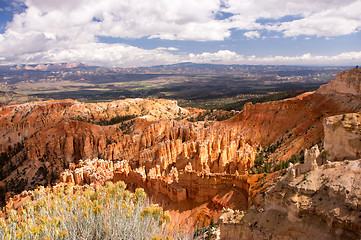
(168, 48)
(252, 34)
(129, 56)
(324, 18)
(224, 56)
(68, 30)
(229, 57)
(179, 19)
(331, 22)
(99, 54)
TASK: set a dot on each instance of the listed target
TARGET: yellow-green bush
(111, 212)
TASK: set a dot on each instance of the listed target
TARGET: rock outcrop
(346, 82)
(310, 161)
(343, 136)
(177, 186)
(321, 204)
(95, 171)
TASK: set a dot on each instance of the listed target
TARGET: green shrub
(111, 212)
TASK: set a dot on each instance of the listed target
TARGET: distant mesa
(185, 68)
(49, 67)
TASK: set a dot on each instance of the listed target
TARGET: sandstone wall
(343, 136)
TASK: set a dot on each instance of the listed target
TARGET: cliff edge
(346, 82)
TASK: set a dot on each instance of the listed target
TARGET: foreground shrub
(111, 212)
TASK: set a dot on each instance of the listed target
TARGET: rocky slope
(297, 122)
(321, 204)
(348, 83)
(308, 201)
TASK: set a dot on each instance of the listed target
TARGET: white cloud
(252, 34)
(229, 57)
(179, 19)
(223, 56)
(330, 22)
(322, 18)
(167, 48)
(67, 30)
(100, 54)
(129, 56)
(184, 19)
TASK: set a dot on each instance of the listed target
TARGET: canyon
(198, 168)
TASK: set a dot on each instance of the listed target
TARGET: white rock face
(310, 158)
(312, 154)
(343, 136)
(322, 204)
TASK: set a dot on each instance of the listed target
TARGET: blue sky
(144, 32)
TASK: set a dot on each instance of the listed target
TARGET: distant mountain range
(185, 68)
(48, 67)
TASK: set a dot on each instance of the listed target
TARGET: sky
(132, 33)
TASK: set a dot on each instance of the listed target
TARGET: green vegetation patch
(267, 98)
(115, 120)
(263, 163)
